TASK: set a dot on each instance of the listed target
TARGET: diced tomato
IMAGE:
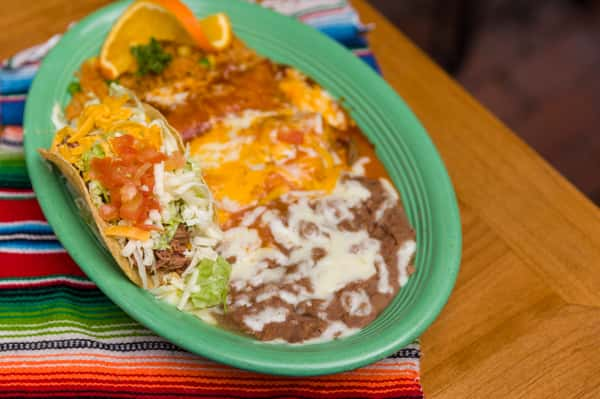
(151, 202)
(142, 171)
(291, 136)
(175, 161)
(99, 166)
(115, 196)
(123, 145)
(132, 210)
(148, 181)
(128, 192)
(129, 178)
(149, 154)
(108, 212)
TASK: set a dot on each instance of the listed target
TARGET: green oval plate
(401, 142)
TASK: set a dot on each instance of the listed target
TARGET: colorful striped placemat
(61, 337)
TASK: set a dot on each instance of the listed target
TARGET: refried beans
(318, 268)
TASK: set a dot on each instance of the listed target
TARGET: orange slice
(187, 19)
(217, 29)
(168, 20)
(140, 22)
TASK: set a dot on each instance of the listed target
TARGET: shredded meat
(173, 259)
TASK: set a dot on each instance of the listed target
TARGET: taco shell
(77, 182)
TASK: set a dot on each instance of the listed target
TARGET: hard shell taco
(148, 201)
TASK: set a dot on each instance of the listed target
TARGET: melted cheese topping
(256, 157)
(269, 315)
(356, 303)
(405, 254)
(312, 98)
(350, 256)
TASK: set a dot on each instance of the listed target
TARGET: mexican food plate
(242, 185)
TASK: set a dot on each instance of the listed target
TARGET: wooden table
(524, 318)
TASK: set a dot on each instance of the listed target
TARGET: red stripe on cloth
(13, 133)
(13, 265)
(30, 387)
(12, 98)
(361, 52)
(16, 191)
(20, 210)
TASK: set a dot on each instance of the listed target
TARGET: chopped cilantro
(74, 87)
(205, 62)
(151, 58)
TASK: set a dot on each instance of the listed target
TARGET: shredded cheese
(101, 120)
(131, 232)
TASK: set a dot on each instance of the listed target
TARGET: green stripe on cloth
(13, 170)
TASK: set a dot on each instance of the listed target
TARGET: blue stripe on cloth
(31, 227)
(30, 246)
(371, 61)
(11, 109)
(357, 42)
(15, 81)
(342, 33)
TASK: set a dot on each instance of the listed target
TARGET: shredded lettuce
(170, 225)
(205, 287)
(213, 283)
(98, 193)
(164, 240)
(95, 152)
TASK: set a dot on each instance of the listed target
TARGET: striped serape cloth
(61, 337)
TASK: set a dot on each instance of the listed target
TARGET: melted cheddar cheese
(97, 123)
(255, 158)
(312, 98)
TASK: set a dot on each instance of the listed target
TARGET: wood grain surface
(524, 318)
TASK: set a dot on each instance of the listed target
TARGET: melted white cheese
(241, 243)
(383, 285)
(250, 217)
(341, 265)
(335, 329)
(405, 254)
(256, 322)
(358, 167)
(310, 227)
(166, 97)
(391, 198)
(237, 122)
(356, 303)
